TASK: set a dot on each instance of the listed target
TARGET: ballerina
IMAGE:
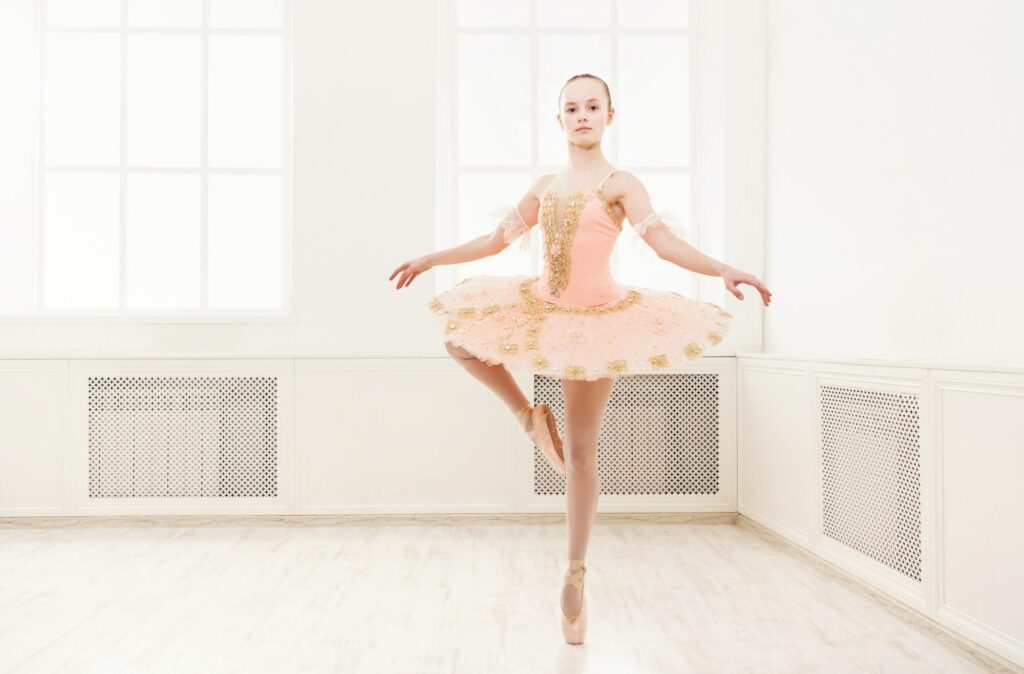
(573, 321)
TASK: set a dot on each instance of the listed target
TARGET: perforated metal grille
(871, 457)
(659, 436)
(181, 436)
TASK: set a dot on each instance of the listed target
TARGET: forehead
(583, 90)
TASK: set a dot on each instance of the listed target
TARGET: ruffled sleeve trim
(513, 226)
(668, 219)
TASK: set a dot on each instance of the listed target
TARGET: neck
(586, 158)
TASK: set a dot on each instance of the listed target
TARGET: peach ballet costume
(573, 321)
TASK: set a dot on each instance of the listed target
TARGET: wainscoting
(903, 475)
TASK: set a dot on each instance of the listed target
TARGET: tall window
(161, 152)
(508, 59)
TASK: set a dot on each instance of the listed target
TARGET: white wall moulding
(33, 437)
(902, 473)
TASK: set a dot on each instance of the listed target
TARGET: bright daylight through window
(148, 159)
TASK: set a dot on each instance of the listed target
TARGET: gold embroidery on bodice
(560, 230)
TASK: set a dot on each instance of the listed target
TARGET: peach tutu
(574, 321)
(501, 319)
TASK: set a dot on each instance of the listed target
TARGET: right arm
(510, 228)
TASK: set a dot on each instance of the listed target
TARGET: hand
(411, 270)
(733, 277)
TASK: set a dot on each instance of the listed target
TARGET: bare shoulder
(621, 184)
(540, 185)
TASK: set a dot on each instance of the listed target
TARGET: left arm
(635, 201)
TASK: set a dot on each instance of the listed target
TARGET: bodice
(580, 230)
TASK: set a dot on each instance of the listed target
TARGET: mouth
(584, 128)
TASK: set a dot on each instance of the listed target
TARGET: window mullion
(122, 247)
(613, 64)
(204, 177)
(534, 97)
(40, 157)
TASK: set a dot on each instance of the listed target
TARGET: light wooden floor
(439, 595)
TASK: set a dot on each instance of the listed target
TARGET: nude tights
(585, 403)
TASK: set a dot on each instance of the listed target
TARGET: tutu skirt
(501, 320)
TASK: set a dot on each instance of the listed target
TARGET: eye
(594, 107)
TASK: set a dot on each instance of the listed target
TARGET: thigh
(585, 403)
(457, 351)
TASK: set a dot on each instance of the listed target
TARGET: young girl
(573, 321)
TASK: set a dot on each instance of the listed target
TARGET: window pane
(494, 94)
(166, 13)
(80, 240)
(479, 194)
(559, 58)
(493, 13)
(83, 99)
(668, 192)
(654, 76)
(164, 109)
(245, 101)
(162, 241)
(17, 157)
(245, 242)
(575, 13)
(245, 13)
(654, 13)
(67, 13)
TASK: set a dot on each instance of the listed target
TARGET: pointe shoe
(545, 437)
(575, 629)
(544, 433)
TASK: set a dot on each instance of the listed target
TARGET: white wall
(895, 162)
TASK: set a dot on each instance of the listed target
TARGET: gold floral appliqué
(558, 237)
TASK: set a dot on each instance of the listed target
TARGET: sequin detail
(574, 371)
(521, 330)
(617, 366)
(660, 360)
(536, 304)
(558, 237)
(608, 208)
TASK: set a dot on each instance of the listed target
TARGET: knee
(581, 455)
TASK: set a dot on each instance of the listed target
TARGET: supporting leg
(585, 403)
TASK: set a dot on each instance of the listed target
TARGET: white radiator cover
(661, 436)
(871, 474)
(173, 436)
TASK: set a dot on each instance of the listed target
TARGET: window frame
(122, 314)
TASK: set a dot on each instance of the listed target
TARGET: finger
(409, 280)
(400, 268)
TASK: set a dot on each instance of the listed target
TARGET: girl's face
(584, 112)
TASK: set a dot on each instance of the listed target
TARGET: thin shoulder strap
(606, 178)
